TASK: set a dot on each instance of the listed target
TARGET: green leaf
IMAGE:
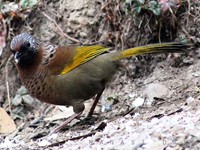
(110, 98)
(183, 39)
(154, 7)
(153, 4)
(141, 1)
(28, 3)
(156, 11)
(138, 9)
(128, 1)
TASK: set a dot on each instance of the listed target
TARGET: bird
(71, 74)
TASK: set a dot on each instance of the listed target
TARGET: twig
(61, 31)
(159, 33)
(72, 139)
(101, 126)
(7, 85)
(3, 36)
(3, 62)
(165, 114)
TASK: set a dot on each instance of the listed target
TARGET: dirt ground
(151, 103)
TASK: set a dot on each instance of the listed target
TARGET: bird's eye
(28, 44)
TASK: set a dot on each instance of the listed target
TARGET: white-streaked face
(24, 48)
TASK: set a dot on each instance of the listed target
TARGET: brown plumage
(69, 75)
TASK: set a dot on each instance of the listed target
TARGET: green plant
(138, 5)
(28, 3)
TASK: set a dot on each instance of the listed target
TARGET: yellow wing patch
(84, 54)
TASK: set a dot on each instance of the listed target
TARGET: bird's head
(25, 49)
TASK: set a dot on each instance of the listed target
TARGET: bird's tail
(152, 48)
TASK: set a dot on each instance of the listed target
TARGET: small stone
(132, 95)
(17, 100)
(188, 61)
(138, 102)
(189, 100)
(83, 34)
(43, 143)
(28, 99)
(22, 90)
(195, 74)
(91, 12)
(105, 108)
(53, 136)
(98, 135)
(156, 90)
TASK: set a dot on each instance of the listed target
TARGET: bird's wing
(84, 54)
(67, 58)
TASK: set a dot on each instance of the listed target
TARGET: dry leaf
(63, 112)
(60, 112)
(7, 125)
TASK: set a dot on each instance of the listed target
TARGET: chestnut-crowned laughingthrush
(70, 75)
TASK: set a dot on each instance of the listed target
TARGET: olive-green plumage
(69, 75)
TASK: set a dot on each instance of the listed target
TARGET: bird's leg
(60, 127)
(94, 104)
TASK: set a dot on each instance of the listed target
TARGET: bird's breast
(40, 84)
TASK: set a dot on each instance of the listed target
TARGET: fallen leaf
(60, 112)
(63, 112)
(7, 124)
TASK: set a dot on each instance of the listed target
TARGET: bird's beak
(16, 57)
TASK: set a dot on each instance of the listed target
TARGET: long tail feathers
(152, 48)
